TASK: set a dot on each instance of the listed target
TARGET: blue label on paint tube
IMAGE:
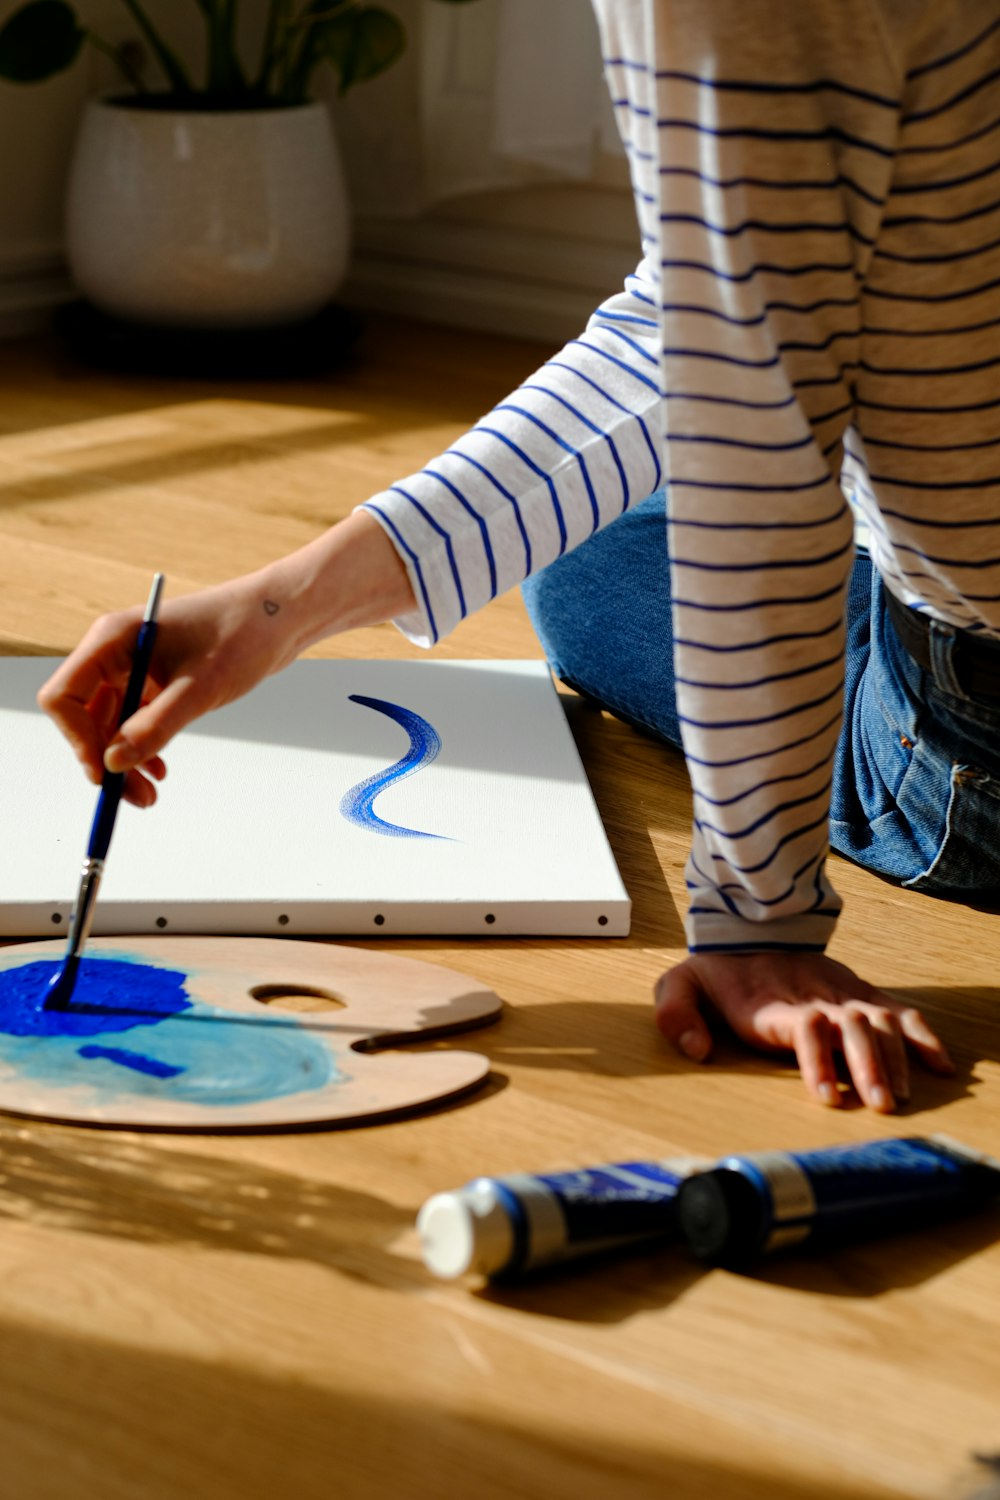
(905, 1169)
(625, 1199)
(869, 1188)
(779, 1199)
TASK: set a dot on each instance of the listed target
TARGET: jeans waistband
(973, 661)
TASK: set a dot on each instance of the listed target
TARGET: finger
(863, 1057)
(102, 659)
(925, 1042)
(813, 1040)
(678, 1015)
(151, 727)
(889, 1037)
(103, 709)
(138, 790)
(85, 739)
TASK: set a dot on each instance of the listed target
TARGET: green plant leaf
(39, 39)
(361, 44)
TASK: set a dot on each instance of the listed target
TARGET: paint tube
(749, 1205)
(501, 1226)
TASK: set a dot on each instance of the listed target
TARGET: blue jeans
(916, 791)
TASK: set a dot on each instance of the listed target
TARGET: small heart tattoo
(270, 608)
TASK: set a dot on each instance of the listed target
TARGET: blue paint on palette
(357, 805)
(187, 1050)
(137, 1060)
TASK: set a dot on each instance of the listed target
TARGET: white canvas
(248, 835)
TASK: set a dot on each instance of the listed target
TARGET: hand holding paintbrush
(61, 988)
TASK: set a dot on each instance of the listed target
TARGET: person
(811, 337)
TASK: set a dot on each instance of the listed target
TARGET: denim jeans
(916, 791)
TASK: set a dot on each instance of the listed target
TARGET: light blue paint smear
(186, 1050)
(357, 805)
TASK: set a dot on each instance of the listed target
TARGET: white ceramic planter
(195, 219)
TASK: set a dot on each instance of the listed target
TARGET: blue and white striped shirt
(816, 315)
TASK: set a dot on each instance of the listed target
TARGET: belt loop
(942, 642)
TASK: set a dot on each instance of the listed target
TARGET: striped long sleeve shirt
(816, 316)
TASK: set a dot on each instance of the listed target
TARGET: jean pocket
(966, 863)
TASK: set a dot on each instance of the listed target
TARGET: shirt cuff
(431, 578)
(722, 932)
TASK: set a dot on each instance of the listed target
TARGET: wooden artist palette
(185, 1033)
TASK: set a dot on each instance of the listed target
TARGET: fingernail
(694, 1045)
(829, 1094)
(119, 757)
(881, 1099)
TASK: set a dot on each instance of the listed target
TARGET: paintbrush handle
(113, 783)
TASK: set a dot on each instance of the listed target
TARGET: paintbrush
(62, 985)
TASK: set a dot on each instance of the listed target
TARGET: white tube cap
(465, 1230)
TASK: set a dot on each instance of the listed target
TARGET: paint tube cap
(722, 1216)
(466, 1230)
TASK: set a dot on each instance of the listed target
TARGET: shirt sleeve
(762, 139)
(572, 448)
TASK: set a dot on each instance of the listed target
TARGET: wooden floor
(248, 1316)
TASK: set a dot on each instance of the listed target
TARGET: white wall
(37, 126)
(532, 261)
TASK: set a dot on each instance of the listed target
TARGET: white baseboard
(466, 299)
(33, 283)
(533, 286)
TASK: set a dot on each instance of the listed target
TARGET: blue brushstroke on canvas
(357, 805)
(191, 1051)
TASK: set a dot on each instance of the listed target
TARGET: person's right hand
(214, 646)
(211, 647)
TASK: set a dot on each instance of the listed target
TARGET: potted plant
(216, 201)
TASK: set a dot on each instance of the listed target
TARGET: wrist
(349, 577)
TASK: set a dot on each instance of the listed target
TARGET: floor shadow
(986, 1478)
(609, 748)
(615, 1039)
(968, 1017)
(621, 1284)
(93, 1418)
(609, 1288)
(66, 484)
(606, 1039)
(483, 712)
(873, 1268)
(392, 369)
(9, 646)
(117, 1186)
(929, 1091)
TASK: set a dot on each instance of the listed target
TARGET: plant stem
(287, 32)
(269, 48)
(301, 67)
(171, 65)
(225, 75)
(133, 76)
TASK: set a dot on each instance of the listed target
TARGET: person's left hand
(804, 1003)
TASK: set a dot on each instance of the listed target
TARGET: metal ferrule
(90, 880)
